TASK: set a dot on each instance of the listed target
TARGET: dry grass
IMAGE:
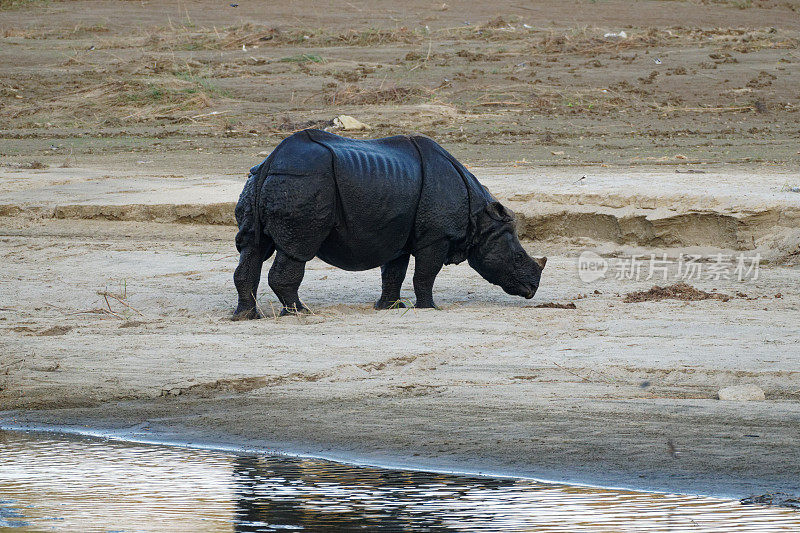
(34, 165)
(390, 94)
(127, 100)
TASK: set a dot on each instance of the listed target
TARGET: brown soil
(556, 305)
(203, 84)
(678, 291)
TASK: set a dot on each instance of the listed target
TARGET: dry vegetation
(504, 81)
(677, 291)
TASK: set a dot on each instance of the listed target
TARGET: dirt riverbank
(491, 382)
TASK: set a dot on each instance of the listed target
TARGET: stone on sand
(741, 393)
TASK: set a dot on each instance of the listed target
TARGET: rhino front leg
(246, 278)
(285, 277)
(392, 275)
(427, 264)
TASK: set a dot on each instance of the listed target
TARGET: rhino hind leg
(285, 277)
(427, 264)
(248, 275)
(392, 275)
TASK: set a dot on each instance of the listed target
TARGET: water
(50, 482)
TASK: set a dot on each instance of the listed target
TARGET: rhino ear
(496, 211)
(541, 261)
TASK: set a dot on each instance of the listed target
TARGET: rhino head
(498, 256)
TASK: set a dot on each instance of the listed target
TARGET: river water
(66, 483)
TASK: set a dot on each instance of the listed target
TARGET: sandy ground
(488, 383)
(126, 130)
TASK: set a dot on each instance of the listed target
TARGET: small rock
(348, 123)
(741, 393)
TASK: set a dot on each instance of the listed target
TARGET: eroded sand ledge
(593, 394)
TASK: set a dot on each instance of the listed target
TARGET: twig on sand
(258, 307)
(225, 257)
(735, 109)
(427, 57)
(97, 311)
(499, 103)
(107, 295)
(584, 378)
(213, 113)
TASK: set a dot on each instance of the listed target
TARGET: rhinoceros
(362, 204)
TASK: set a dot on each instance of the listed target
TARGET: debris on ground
(777, 499)
(678, 291)
(287, 125)
(348, 123)
(741, 393)
(31, 165)
(55, 330)
(616, 35)
(555, 305)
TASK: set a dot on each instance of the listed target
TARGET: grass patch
(303, 58)
(201, 84)
(6, 5)
(150, 94)
(196, 97)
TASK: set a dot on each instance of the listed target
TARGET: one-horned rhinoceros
(360, 204)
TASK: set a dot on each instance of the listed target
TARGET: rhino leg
(428, 262)
(247, 276)
(392, 275)
(285, 277)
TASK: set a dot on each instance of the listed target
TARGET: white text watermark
(644, 267)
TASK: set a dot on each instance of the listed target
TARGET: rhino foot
(427, 305)
(246, 314)
(295, 310)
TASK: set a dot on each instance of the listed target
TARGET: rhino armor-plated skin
(359, 205)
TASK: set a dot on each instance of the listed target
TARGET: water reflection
(71, 484)
(323, 496)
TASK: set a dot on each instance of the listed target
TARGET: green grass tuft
(303, 58)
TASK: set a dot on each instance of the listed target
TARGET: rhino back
(378, 186)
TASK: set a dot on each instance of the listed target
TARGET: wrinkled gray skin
(362, 204)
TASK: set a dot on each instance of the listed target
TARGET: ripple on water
(65, 483)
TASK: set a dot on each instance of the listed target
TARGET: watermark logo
(591, 266)
(739, 267)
